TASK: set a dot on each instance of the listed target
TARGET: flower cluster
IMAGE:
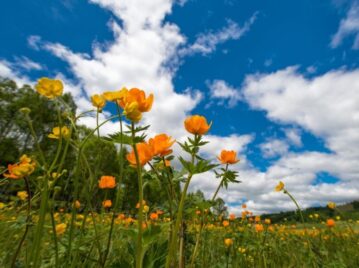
(25, 167)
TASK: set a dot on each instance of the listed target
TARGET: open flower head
(197, 124)
(279, 187)
(161, 144)
(107, 182)
(60, 228)
(65, 133)
(135, 95)
(22, 195)
(144, 154)
(98, 101)
(50, 88)
(228, 157)
(25, 167)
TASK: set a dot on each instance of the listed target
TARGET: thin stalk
(118, 193)
(98, 129)
(219, 187)
(140, 192)
(28, 223)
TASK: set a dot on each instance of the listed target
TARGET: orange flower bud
(225, 223)
(259, 228)
(107, 203)
(197, 124)
(228, 157)
(107, 182)
(154, 216)
(330, 223)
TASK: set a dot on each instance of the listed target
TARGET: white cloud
(220, 90)
(293, 136)
(206, 43)
(273, 148)
(348, 26)
(26, 64)
(8, 70)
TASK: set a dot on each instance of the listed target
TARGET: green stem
(28, 223)
(140, 192)
(98, 129)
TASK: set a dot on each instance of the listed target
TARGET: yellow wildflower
(50, 88)
(65, 133)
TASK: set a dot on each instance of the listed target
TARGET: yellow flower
(279, 187)
(2, 205)
(132, 112)
(197, 124)
(115, 95)
(331, 205)
(242, 250)
(60, 228)
(50, 88)
(146, 208)
(55, 175)
(65, 133)
(228, 242)
(98, 101)
(22, 195)
(337, 218)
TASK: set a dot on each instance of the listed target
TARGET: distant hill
(346, 212)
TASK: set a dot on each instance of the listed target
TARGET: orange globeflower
(330, 223)
(107, 182)
(22, 169)
(228, 242)
(154, 216)
(161, 144)
(107, 203)
(144, 154)
(225, 223)
(259, 228)
(228, 157)
(135, 95)
(197, 124)
(232, 217)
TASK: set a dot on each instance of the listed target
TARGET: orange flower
(107, 203)
(161, 144)
(121, 216)
(107, 182)
(22, 169)
(228, 157)
(330, 223)
(198, 212)
(228, 242)
(259, 228)
(154, 216)
(77, 204)
(197, 124)
(257, 219)
(144, 154)
(232, 217)
(138, 96)
(244, 206)
(225, 223)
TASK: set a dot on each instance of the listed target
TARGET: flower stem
(140, 193)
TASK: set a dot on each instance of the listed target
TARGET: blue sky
(267, 73)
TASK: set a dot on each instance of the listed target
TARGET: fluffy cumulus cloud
(349, 26)
(220, 90)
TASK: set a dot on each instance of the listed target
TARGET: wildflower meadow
(80, 199)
